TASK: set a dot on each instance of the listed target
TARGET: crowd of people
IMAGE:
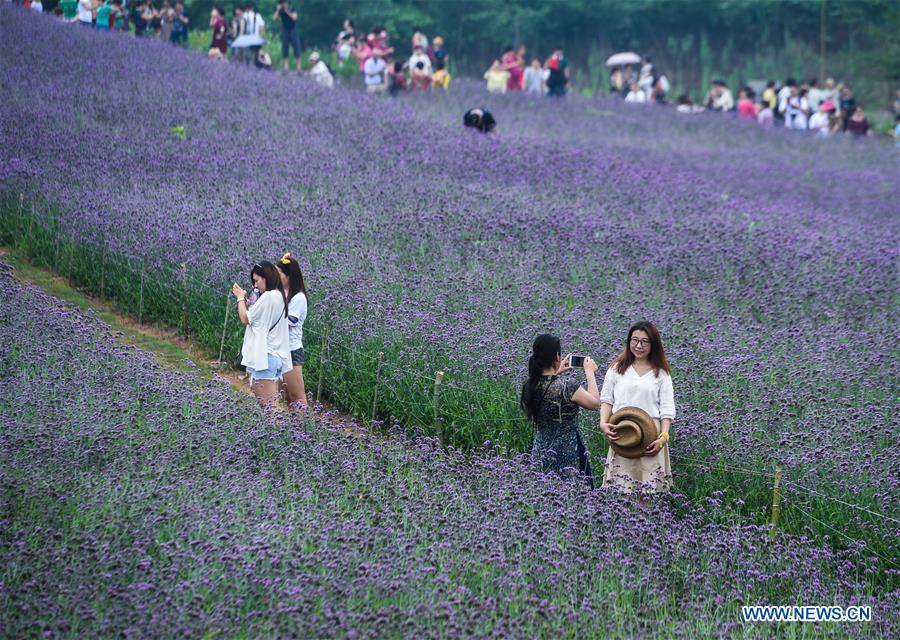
(510, 73)
(824, 110)
(381, 70)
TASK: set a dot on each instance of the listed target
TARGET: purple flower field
(768, 260)
(159, 506)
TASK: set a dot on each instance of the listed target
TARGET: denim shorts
(272, 373)
(297, 357)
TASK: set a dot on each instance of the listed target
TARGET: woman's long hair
(291, 268)
(267, 271)
(657, 354)
(544, 351)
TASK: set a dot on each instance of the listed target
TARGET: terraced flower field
(137, 502)
(768, 260)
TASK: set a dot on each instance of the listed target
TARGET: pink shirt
(746, 109)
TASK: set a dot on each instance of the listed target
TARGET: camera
(577, 361)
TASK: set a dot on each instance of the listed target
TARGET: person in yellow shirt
(497, 78)
(769, 96)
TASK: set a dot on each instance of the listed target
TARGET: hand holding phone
(577, 361)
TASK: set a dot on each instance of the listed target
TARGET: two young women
(273, 338)
(638, 377)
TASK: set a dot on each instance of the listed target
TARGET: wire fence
(177, 289)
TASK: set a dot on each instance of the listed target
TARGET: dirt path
(170, 349)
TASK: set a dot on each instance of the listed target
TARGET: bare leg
(265, 391)
(293, 383)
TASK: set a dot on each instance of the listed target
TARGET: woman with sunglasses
(639, 377)
(265, 351)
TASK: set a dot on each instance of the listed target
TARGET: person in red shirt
(219, 30)
(746, 108)
(510, 62)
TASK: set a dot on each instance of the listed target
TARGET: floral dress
(558, 445)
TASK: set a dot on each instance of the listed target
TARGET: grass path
(169, 348)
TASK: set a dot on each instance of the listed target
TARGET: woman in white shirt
(639, 377)
(292, 282)
(265, 352)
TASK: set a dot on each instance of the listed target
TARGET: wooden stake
(103, 271)
(224, 328)
(184, 300)
(377, 381)
(438, 379)
(141, 300)
(323, 356)
(776, 501)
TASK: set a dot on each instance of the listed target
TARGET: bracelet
(242, 299)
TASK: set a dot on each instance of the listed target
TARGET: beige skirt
(647, 474)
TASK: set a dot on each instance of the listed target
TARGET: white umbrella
(625, 57)
(248, 40)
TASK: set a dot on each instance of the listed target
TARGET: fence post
(224, 328)
(31, 225)
(776, 501)
(184, 300)
(141, 300)
(103, 271)
(56, 248)
(17, 238)
(323, 355)
(377, 381)
(438, 379)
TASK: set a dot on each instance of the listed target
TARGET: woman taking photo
(551, 398)
(265, 350)
(639, 377)
(295, 288)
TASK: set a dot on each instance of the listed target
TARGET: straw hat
(635, 430)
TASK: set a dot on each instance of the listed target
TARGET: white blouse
(653, 394)
(260, 339)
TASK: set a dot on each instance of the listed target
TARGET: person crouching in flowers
(265, 351)
(639, 377)
(295, 288)
(551, 398)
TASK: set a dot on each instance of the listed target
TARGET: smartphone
(577, 361)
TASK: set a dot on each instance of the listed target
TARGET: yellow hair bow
(286, 258)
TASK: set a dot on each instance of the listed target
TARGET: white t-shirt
(322, 75)
(297, 308)
(534, 80)
(254, 24)
(375, 66)
(653, 394)
(636, 97)
(260, 339)
(819, 123)
(84, 11)
(37, 6)
(419, 57)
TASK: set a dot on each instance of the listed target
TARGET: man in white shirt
(724, 100)
(636, 95)
(784, 94)
(86, 13)
(815, 95)
(419, 55)
(374, 70)
(320, 72)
